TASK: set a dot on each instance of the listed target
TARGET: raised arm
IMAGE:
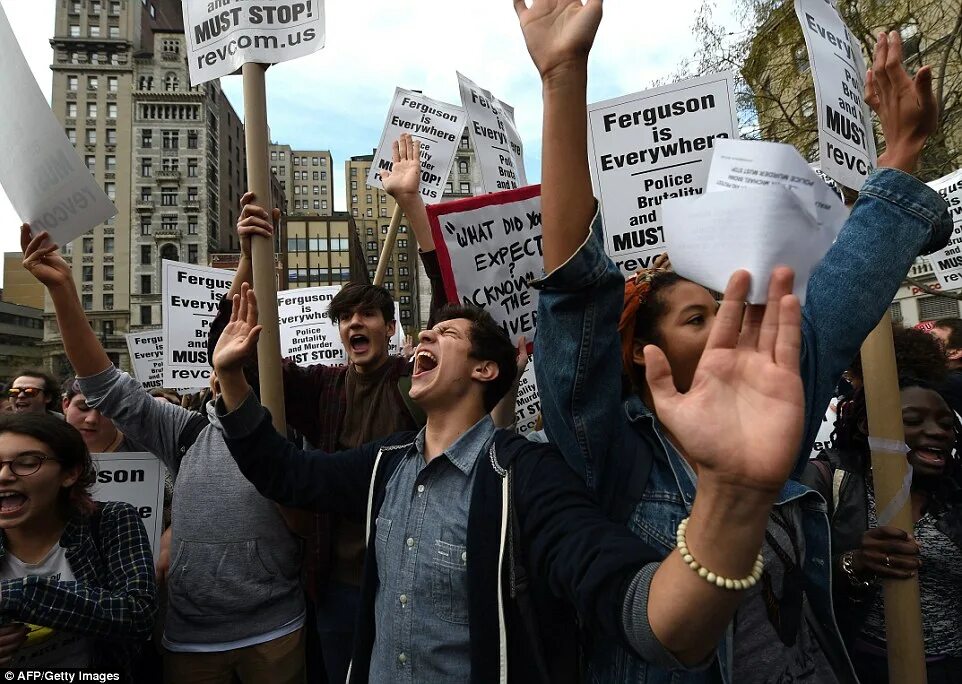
(559, 34)
(122, 609)
(403, 183)
(283, 473)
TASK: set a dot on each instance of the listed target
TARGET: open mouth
(359, 344)
(424, 362)
(932, 456)
(11, 502)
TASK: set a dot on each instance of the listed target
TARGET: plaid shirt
(113, 599)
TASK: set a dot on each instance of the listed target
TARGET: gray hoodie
(235, 567)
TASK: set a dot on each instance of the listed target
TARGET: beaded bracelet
(708, 575)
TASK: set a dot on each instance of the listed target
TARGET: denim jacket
(578, 367)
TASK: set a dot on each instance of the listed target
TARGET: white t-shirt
(45, 649)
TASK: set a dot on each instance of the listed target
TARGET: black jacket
(560, 549)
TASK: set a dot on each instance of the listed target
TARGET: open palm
(238, 342)
(742, 418)
(558, 32)
(404, 178)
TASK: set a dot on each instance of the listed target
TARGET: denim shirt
(421, 609)
(578, 368)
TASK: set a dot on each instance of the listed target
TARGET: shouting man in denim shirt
(645, 475)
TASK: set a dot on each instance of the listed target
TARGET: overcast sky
(337, 99)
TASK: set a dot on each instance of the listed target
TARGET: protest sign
(136, 478)
(222, 35)
(309, 336)
(146, 349)
(947, 262)
(846, 142)
(489, 248)
(823, 440)
(528, 404)
(651, 146)
(46, 181)
(436, 125)
(191, 296)
(494, 136)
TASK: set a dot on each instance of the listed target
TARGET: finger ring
(888, 562)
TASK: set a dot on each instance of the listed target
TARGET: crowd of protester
(666, 524)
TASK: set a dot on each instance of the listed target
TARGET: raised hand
(404, 179)
(43, 261)
(254, 220)
(905, 106)
(238, 342)
(558, 33)
(741, 421)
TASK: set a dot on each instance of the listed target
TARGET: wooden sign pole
(388, 247)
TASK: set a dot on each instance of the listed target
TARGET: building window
(404, 270)
(91, 136)
(465, 143)
(168, 197)
(171, 82)
(93, 31)
(146, 315)
(111, 190)
(91, 162)
(71, 110)
(192, 254)
(147, 138)
(108, 302)
(146, 194)
(315, 161)
(316, 175)
(91, 110)
(323, 205)
(370, 212)
(354, 212)
(92, 82)
(72, 135)
(465, 188)
(112, 83)
(113, 31)
(74, 30)
(72, 82)
(353, 172)
(145, 284)
(145, 226)
(402, 243)
(87, 274)
(170, 140)
(110, 162)
(145, 255)
(108, 273)
(462, 165)
(383, 212)
(168, 223)
(317, 205)
(191, 140)
(87, 301)
(111, 136)
(405, 285)
(192, 226)
(146, 168)
(324, 177)
(402, 256)
(932, 308)
(192, 194)
(111, 110)
(368, 198)
(192, 168)
(115, 7)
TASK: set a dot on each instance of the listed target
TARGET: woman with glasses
(76, 576)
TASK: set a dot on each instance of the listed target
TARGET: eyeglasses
(28, 392)
(26, 464)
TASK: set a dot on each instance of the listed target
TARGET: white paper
(223, 35)
(191, 296)
(436, 125)
(947, 262)
(651, 146)
(494, 136)
(46, 181)
(755, 229)
(308, 336)
(136, 478)
(846, 142)
(146, 349)
(494, 252)
(823, 440)
(528, 405)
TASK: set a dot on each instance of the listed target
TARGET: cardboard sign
(495, 138)
(947, 262)
(136, 478)
(191, 296)
(46, 181)
(436, 125)
(652, 146)
(223, 35)
(528, 405)
(846, 143)
(146, 349)
(308, 336)
(489, 249)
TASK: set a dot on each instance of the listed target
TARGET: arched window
(169, 252)
(170, 82)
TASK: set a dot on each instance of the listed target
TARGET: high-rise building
(310, 185)
(156, 145)
(19, 287)
(323, 250)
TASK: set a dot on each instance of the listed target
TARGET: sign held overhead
(495, 138)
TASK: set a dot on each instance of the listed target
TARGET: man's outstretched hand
(558, 33)
(238, 342)
(741, 421)
(905, 106)
(404, 178)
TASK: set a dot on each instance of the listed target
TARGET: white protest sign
(823, 440)
(224, 34)
(146, 349)
(528, 405)
(494, 136)
(46, 181)
(947, 262)
(436, 125)
(651, 146)
(489, 249)
(309, 336)
(136, 478)
(191, 296)
(846, 143)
